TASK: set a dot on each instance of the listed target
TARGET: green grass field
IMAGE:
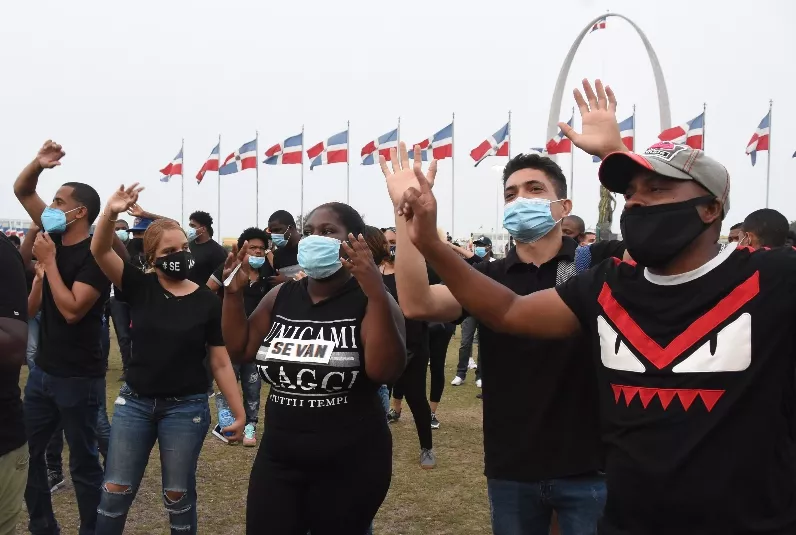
(448, 500)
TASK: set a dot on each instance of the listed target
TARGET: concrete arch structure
(558, 93)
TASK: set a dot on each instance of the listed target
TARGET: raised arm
(540, 315)
(418, 300)
(107, 258)
(383, 327)
(136, 211)
(243, 336)
(49, 156)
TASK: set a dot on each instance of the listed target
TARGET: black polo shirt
(541, 412)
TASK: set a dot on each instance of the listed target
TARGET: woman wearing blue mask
(259, 271)
(325, 344)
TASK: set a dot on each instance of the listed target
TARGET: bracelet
(112, 220)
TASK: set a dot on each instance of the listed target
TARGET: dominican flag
(599, 25)
(689, 133)
(173, 169)
(627, 130)
(759, 139)
(437, 147)
(380, 145)
(210, 165)
(243, 158)
(288, 152)
(495, 145)
(561, 143)
(333, 150)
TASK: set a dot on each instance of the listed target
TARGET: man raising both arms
(694, 346)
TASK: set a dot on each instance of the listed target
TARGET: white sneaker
(478, 383)
(472, 365)
(457, 381)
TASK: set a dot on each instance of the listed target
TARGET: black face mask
(655, 235)
(175, 265)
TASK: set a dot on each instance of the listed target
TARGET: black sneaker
(393, 416)
(434, 421)
(55, 480)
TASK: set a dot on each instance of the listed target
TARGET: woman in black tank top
(324, 343)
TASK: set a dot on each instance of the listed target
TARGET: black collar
(567, 252)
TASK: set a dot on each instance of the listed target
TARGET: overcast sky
(119, 84)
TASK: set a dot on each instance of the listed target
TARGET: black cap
(483, 240)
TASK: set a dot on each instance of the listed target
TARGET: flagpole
(398, 143)
(348, 164)
(572, 161)
(257, 179)
(301, 209)
(634, 130)
(768, 163)
(508, 135)
(219, 188)
(704, 123)
(182, 185)
(453, 176)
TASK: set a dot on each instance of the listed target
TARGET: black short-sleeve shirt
(170, 335)
(14, 306)
(255, 291)
(206, 256)
(73, 350)
(541, 417)
(696, 382)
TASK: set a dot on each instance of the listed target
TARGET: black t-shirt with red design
(697, 393)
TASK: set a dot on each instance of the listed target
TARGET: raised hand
(50, 155)
(402, 176)
(123, 199)
(136, 211)
(234, 259)
(419, 208)
(600, 135)
(44, 249)
(361, 265)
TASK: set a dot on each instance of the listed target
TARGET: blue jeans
(250, 383)
(179, 425)
(33, 340)
(526, 508)
(74, 401)
(469, 337)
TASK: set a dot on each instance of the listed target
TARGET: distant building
(15, 227)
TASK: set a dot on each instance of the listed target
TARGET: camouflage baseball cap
(672, 160)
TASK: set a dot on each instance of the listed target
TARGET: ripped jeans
(180, 426)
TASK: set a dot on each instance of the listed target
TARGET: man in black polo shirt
(68, 380)
(285, 237)
(541, 430)
(13, 341)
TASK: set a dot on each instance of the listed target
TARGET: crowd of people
(634, 387)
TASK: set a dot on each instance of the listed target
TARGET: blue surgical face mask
(480, 251)
(319, 256)
(192, 234)
(256, 261)
(279, 240)
(529, 220)
(123, 234)
(54, 220)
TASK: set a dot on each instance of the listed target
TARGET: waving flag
(210, 165)
(173, 169)
(560, 144)
(286, 153)
(599, 25)
(333, 150)
(627, 130)
(380, 145)
(760, 138)
(243, 158)
(689, 133)
(438, 147)
(495, 145)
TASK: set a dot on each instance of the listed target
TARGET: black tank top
(314, 360)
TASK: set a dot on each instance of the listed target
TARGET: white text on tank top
(310, 363)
